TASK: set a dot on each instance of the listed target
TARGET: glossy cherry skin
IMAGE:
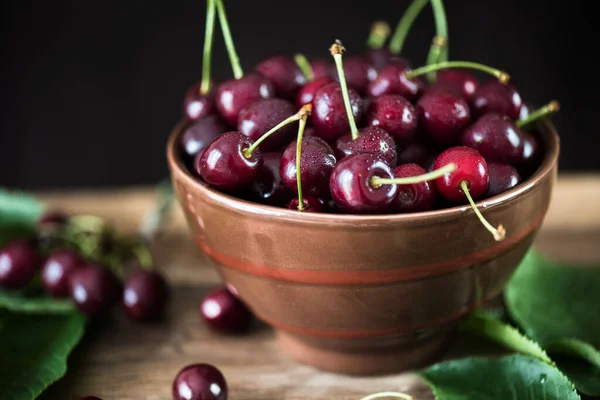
(391, 80)
(307, 92)
(322, 67)
(379, 58)
(394, 114)
(263, 115)
(443, 115)
(268, 188)
(470, 167)
(316, 163)
(531, 157)
(371, 140)
(329, 113)
(223, 164)
(524, 113)
(224, 312)
(284, 74)
(496, 138)
(311, 204)
(358, 72)
(199, 382)
(57, 270)
(502, 178)
(19, 262)
(494, 96)
(461, 79)
(200, 133)
(233, 96)
(351, 188)
(145, 295)
(414, 153)
(196, 105)
(414, 197)
(93, 289)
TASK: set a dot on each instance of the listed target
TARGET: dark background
(90, 90)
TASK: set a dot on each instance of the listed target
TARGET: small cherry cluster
(373, 137)
(81, 258)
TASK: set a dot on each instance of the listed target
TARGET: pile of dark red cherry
(407, 128)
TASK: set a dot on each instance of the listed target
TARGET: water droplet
(543, 378)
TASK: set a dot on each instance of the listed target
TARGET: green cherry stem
(438, 173)
(301, 126)
(395, 395)
(304, 111)
(337, 50)
(380, 31)
(208, 40)
(502, 76)
(498, 233)
(540, 113)
(404, 25)
(441, 30)
(304, 66)
(233, 57)
(143, 255)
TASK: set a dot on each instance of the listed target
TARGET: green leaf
(551, 302)
(491, 328)
(22, 302)
(34, 351)
(580, 361)
(507, 378)
(18, 215)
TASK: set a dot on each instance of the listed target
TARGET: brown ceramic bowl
(364, 294)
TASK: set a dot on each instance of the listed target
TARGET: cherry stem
(380, 31)
(337, 50)
(540, 113)
(502, 76)
(396, 395)
(304, 66)
(404, 25)
(376, 181)
(233, 57)
(498, 233)
(304, 111)
(440, 44)
(208, 40)
(143, 255)
(301, 126)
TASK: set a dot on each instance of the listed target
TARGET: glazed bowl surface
(364, 294)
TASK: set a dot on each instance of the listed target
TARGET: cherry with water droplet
(443, 115)
(371, 140)
(494, 96)
(262, 116)
(329, 113)
(392, 80)
(413, 197)
(394, 114)
(460, 79)
(306, 94)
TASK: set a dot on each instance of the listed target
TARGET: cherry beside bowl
(364, 294)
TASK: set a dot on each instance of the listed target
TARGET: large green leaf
(580, 361)
(40, 304)
(507, 378)
(18, 215)
(34, 351)
(551, 302)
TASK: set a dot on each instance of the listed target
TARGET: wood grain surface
(121, 360)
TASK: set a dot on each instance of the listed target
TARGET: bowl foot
(365, 363)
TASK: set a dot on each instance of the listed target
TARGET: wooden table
(121, 360)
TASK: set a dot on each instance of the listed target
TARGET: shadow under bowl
(364, 294)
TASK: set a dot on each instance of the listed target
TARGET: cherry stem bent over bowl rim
(380, 31)
(498, 233)
(409, 180)
(540, 113)
(502, 76)
(208, 40)
(233, 57)
(337, 50)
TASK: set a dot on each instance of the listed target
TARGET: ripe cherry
(198, 105)
(443, 115)
(57, 270)
(502, 178)
(329, 113)
(310, 204)
(494, 96)
(531, 157)
(145, 295)
(371, 140)
(392, 80)
(200, 133)
(322, 68)
(414, 153)
(307, 92)
(358, 72)
(19, 262)
(93, 289)
(224, 312)
(268, 188)
(377, 55)
(352, 188)
(199, 382)
(394, 114)
(413, 197)
(237, 94)
(379, 58)
(464, 81)
(262, 116)
(496, 137)
(283, 73)
(226, 163)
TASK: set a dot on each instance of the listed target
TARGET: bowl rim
(551, 147)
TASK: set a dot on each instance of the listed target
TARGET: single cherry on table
(57, 270)
(145, 295)
(222, 311)
(199, 382)
(93, 289)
